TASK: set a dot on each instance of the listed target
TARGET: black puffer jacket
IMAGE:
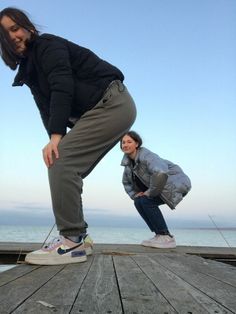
(65, 79)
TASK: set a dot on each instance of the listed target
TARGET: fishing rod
(22, 262)
(219, 231)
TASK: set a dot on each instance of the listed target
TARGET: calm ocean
(190, 237)
(122, 235)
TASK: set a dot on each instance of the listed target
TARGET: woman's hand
(139, 194)
(51, 148)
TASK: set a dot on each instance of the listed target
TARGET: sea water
(124, 235)
(120, 235)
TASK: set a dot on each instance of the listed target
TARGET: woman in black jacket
(74, 88)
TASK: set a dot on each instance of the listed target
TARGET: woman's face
(129, 146)
(17, 34)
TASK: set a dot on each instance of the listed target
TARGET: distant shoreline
(121, 226)
(207, 228)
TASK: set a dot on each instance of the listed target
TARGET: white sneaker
(60, 251)
(147, 242)
(161, 242)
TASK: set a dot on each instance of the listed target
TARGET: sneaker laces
(53, 243)
(164, 238)
(153, 238)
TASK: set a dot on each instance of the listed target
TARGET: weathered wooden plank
(220, 271)
(59, 292)
(116, 280)
(99, 292)
(218, 290)
(180, 294)
(17, 247)
(17, 291)
(138, 293)
(15, 272)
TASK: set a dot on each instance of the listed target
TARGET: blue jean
(148, 209)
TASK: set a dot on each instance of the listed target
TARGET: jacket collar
(19, 79)
(25, 69)
(126, 161)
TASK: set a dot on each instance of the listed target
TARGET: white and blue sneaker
(60, 251)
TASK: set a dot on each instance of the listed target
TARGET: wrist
(56, 137)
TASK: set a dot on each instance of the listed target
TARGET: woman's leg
(139, 206)
(97, 131)
(152, 215)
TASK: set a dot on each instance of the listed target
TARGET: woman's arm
(128, 185)
(158, 170)
(54, 62)
(157, 184)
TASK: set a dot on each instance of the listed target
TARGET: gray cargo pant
(93, 135)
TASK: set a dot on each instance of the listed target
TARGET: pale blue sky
(178, 58)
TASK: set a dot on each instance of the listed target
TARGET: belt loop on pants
(119, 84)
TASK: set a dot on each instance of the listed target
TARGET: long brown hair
(7, 50)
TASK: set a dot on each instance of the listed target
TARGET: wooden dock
(123, 279)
